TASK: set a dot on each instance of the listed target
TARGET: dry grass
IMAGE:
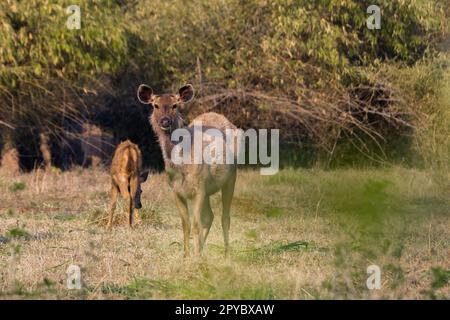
(301, 234)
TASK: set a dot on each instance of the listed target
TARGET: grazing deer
(192, 182)
(126, 178)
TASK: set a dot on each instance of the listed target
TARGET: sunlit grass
(302, 234)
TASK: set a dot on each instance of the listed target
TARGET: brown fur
(44, 146)
(192, 182)
(9, 164)
(97, 145)
(125, 170)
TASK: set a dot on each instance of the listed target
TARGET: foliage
(311, 66)
(287, 44)
(46, 66)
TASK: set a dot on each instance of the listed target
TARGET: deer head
(165, 116)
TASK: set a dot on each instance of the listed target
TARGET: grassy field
(300, 234)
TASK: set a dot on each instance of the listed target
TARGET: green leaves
(41, 59)
(283, 48)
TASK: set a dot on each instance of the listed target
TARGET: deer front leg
(184, 213)
(198, 204)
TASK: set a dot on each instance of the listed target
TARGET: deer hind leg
(227, 196)
(184, 213)
(207, 218)
(123, 186)
(114, 194)
(198, 203)
(134, 184)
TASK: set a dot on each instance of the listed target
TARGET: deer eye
(156, 106)
(174, 106)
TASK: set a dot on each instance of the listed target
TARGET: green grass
(17, 186)
(441, 277)
(17, 233)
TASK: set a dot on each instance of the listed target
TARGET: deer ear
(145, 94)
(186, 93)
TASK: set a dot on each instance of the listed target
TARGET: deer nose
(165, 122)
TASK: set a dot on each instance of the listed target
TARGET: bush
(310, 66)
(46, 67)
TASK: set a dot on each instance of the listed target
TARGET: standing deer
(126, 178)
(192, 182)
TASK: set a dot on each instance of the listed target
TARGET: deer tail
(132, 161)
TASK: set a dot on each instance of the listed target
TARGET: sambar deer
(126, 178)
(192, 182)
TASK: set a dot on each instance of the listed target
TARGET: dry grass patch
(301, 234)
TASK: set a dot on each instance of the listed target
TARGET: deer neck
(165, 142)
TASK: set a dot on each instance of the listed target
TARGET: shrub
(310, 66)
(46, 67)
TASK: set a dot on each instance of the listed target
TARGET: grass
(301, 234)
(17, 186)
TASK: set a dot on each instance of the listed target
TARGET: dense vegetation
(338, 90)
